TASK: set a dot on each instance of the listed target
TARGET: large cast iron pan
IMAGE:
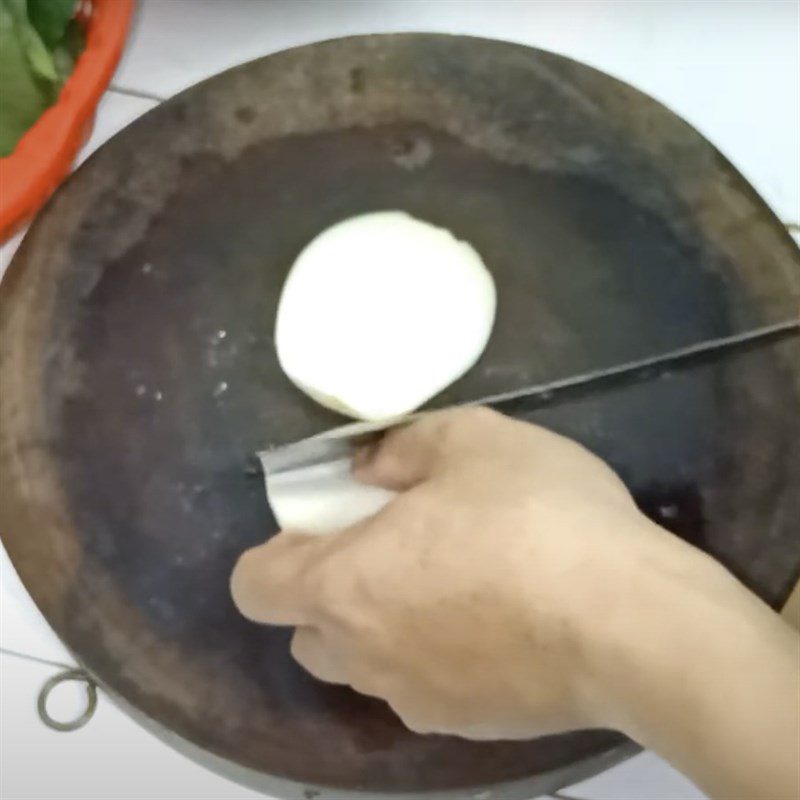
(138, 372)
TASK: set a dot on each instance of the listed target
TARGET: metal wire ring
(51, 683)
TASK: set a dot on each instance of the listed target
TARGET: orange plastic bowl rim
(44, 154)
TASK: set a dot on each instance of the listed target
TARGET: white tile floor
(112, 757)
(730, 67)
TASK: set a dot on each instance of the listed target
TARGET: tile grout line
(25, 657)
(116, 88)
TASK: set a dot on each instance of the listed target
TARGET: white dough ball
(382, 311)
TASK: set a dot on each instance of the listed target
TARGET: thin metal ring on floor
(52, 683)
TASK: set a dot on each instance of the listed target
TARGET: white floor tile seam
(7, 651)
(115, 88)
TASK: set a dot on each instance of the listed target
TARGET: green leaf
(24, 95)
(31, 75)
(28, 39)
(50, 18)
(66, 52)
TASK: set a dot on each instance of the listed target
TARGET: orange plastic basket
(44, 155)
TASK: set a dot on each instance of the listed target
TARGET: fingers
(270, 583)
(315, 653)
(403, 458)
(311, 651)
(409, 455)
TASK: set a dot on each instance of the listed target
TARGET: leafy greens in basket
(40, 40)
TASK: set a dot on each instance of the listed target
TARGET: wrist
(675, 617)
(697, 668)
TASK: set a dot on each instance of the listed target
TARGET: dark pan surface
(139, 374)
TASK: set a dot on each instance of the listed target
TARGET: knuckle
(461, 422)
(325, 587)
(330, 593)
(367, 682)
(417, 723)
(418, 716)
(477, 414)
(419, 508)
(418, 727)
(298, 647)
(387, 461)
(245, 583)
(247, 564)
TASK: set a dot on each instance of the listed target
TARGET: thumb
(405, 456)
(268, 582)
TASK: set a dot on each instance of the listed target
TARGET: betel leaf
(24, 95)
(32, 46)
(39, 44)
(50, 18)
(66, 52)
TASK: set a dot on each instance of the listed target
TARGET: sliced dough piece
(382, 311)
(310, 484)
(324, 498)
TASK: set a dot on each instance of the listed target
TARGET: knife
(309, 483)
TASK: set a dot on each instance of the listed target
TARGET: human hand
(473, 603)
(512, 588)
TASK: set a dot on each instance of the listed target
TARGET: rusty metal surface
(138, 371)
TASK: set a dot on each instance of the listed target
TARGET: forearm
(707, 675)
(512, 589)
